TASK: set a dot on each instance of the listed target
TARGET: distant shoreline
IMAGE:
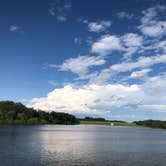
(146, 123)
(107, 123)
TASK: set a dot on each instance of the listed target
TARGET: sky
(88, 58)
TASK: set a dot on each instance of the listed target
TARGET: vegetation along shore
(16, 113)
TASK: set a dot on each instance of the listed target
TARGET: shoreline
(107, 123)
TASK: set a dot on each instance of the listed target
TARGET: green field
(107, 123)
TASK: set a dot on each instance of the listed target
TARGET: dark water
(53, 145)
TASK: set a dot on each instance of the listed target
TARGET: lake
(60, 145)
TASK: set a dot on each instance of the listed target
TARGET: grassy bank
(108, 123)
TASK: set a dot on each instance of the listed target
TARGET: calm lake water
(54, 145)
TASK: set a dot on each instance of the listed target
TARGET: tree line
(152, 123)
(16, 113)
(87, 118)
(100, 119)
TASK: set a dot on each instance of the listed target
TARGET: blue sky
(98, 58)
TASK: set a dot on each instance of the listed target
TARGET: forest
(16, 113)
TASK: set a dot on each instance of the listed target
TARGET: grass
(107, 123)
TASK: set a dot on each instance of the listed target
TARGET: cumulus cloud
(80, 65)
(85, 99)
(150, 23)
(106, 44)
(98, 26)
(128, 43)
(154, 30)
(131, 43)
(125, 15)
(100, 99)
(132, 40)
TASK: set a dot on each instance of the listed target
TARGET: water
(54, 145)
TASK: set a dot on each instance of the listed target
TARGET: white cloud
(140, 73)
(14, 28)
(106, 45)
(85, 99)
(132, 40)
(80, 65)
(102, 99)
(99, 26)
(150, 24)
(101, 77)
(157, 46)
(160, 46)
(131, 43)
(150, 14)
(141, 62)
(156, 87)
(125, 15)
(128, 43)
(111, 73)
(154, 30)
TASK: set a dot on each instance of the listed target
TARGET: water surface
(52, 145)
